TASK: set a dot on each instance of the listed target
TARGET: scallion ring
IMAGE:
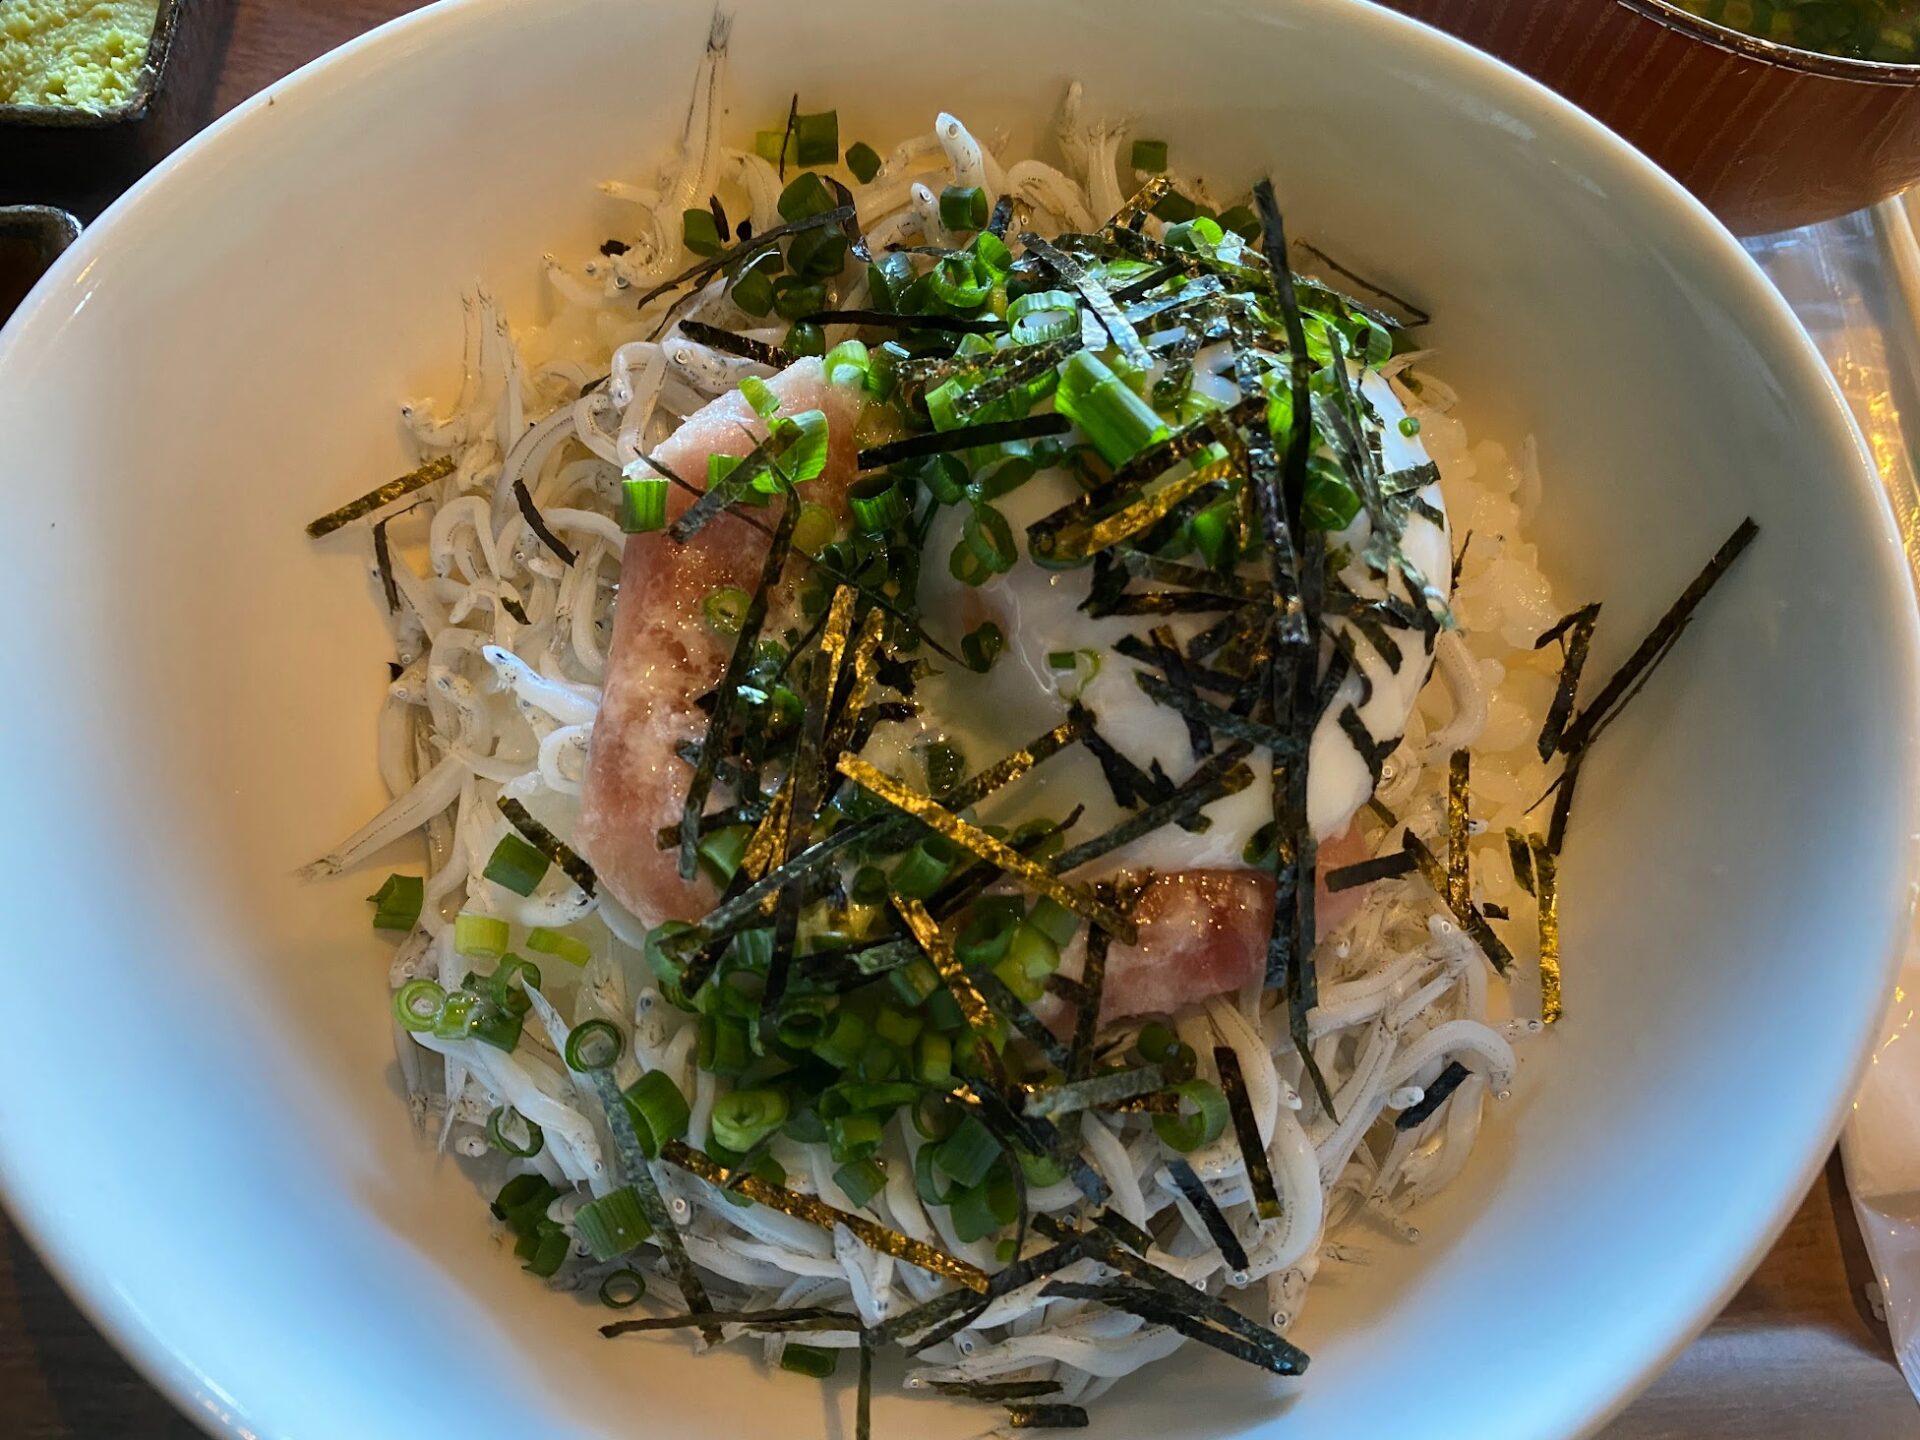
(416, 1005)
(623, 1289)
(498, 1138)
(594, 1045)
(1196, 1126)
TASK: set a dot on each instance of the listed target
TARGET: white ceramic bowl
(198, 1125)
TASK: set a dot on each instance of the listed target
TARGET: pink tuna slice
(1201, 932)
(664, 657)
(1204, 933)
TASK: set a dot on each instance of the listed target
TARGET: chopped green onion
(658, 1110)
(805, 338)
(752, 292)
(1030, 959)
(724, 609)
(981, 646)
(986, 540)
(741, 1118)
(768, 144)
(458, 1015)
(397, 903)
(416, 1005)
(498, 1138)
(946, 768)
(1150, 156)
(563, 947)
(981, 1209)
(963, 207)
(516, 864)
(879, 503)
(847, 363)
(864, 161)
(1409, 425)
(862, 1180)
(1200, 235)
(968, 1153)
(1331, 500)
(1118, 422)
(933, 1058)
(853, 1137)
(841, 1046)
(921, 871)
(989, 930)
(722, 1046)
(613, 1224)
(594, 1045)
(817, 254)
(815, 529)
(945, 477)
(623, 1289)
(896, 1027)
(1155, 1042)
(806, 195)
(1054, 920)
(700, 232)
(544, 1251)
(878, 1060)
(960, 284)
(481, 937)
(914, 981)
(1196, 1126)
(643, 505)
(817, 1362)
(816, 138)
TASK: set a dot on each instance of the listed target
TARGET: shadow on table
(60, 1379)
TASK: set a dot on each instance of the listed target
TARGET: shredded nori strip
(995, 1389)
(1365, 872)
(549, 845)
(728, 343)
(1107, 1089)
(763, 1322)
(1001, 217)
(1374, 752)
(1129, 783)
(1578, 627)
(744, 647)
(1434, 1096)
(1493, 910)
(1468, 915)
(1208, 1210)
(383, 562)
(379, 499)
(747, 247)
(638, 1173)
(1151, 652)
(1520, 857)
(963, 437)
(1246, 1129)
(863, 1392)
(817, 1212)
(1459, 857)
(946, 1315)
(515, 609)
(1046, 1417)
(1414, 314)
(1587, 727)
(1545, 872)
(1161, 1307)
(1563, 801)
(1220, 776)
(1016, 1012)
(1119, 329)
(894, 320)
(537, 523)
(979, 843)
(1282, 744)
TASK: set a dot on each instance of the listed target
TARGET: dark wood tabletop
(1797, 1354)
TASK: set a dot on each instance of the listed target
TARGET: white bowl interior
(198, 1118)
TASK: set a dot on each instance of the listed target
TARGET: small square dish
(133, 105)
(31, 239)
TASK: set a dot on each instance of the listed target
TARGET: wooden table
(1797, 1353)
